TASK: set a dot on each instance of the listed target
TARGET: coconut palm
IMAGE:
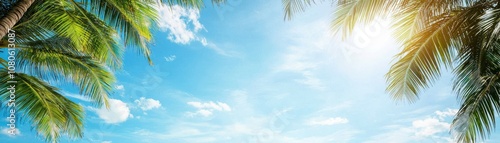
(462, 35)
(71, 41)
(67, 41)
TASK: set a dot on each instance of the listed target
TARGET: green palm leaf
(50, 112)
(50, 59)
(479, 89)
(130, 18)
(76, 41)
(350, 12)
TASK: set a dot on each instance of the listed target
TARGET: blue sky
(240, 73)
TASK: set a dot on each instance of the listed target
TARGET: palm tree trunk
(13, 16)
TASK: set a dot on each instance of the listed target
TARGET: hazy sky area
(240, 73)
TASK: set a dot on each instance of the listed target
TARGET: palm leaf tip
(292, 7)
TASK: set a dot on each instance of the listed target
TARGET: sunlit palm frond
(4, 63)
(97, 41)
(294, 6)
(349, 13)
(50, 59)
(60, 18)
(31, 32)
(50, 112)
(408, 20)
(423, 55)
(432, 32)
(103, 44)
(130, 18)
(190, 3)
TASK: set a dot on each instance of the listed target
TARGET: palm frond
(490, 23)
(477, 85)
(50, 112)
(4, 63)
(50, 59)
(129, 18)
(188, 3)
(408, 20)
(479, 110)
(60, 18)
(423, 55)
(349, 13)
(192, 3)
(103, 45)
(292, 7)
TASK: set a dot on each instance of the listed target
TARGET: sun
(371, 43)
(371, 35)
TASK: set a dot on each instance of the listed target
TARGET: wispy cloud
(10, 132)
(147, 103)
(309, 54)
(119, 87)
(328, 122)
(183, 27)
(76, 96)
(170, 58)
(219, 50)
(207, 108)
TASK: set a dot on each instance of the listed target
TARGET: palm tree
(71, 41)
(462, 35)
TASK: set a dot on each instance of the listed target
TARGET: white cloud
(433, 125)
(424, 129)
(106, 142)
(429, 127)
(182, 23)
(329, 121)
(206, 109)
(211, 105)
(119, 87)
(147, 104)
(76, 96)
(11, 132)
(183, 27)
(118, 112)
(448, 112)
(170, 58)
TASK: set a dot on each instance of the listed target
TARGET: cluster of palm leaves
(79, 42)
(462, 35)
